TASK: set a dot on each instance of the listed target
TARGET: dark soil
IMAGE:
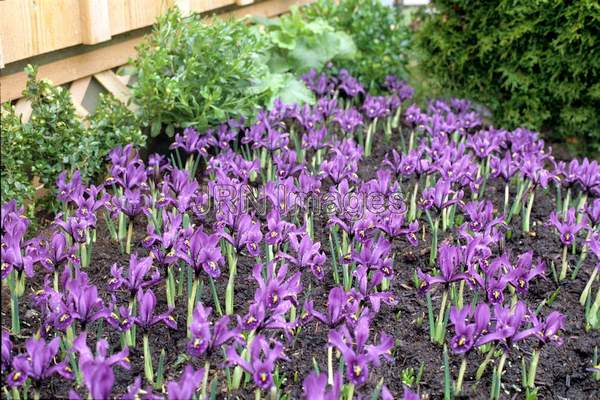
(561, 372)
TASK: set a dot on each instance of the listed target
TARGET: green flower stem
(567, 202)
(205, 380)
(564, 264)
(461, 374)
(496, 386)
(350, 393)
(588, 287)
(413, 203)
(129, 236)
(447, 378)
(170, 286)
(506, 197)
(148, 368)
(484, 364)
(191, 305)
(336, 274)
(215, 296)
(229, 291)
(329, 365)
(528, 212)
(14, 313)
(584, 252)
(368, 142)
(439, 325)
(535, 357)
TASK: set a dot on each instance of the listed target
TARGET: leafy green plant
(55, 139)
(196, 73)
(534, 63)
(380, 33)
(298, 45)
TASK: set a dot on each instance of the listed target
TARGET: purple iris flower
(188, 141)
(136, 275)
(187, 385)
(392, 224)
(38, 363)
(97, 371)
(6, 351)
(525, 271)
(132, 176)
(439, 195)
(204, 253)
(507, 329)
(357, 354)
(484, 143)
(320, 84)
(307, 254)
(75, 226)
(147, 305)
(121, 320)
(348, 84)
(505, 167)
(276, 289)
(367, 288)
(400, 87)
(450, 259)
(206, 338)
(348, 119)
(245, 234)
(408, 394)
(82, 301)
(314, 139)
(567, 226)
(278, 229)
(287, 164)
(467, 333)
(494, 280)
(89, 201)
(66, 189)
(58, 253)
(131, 203)
(376, 107)
(547, 331)
(481, 215)
(164, 247)
(12, 257)
(592, 211)
(336, 308)
(315, 387)
(589, 177)
(262, 358)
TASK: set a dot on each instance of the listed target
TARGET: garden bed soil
(561, 371)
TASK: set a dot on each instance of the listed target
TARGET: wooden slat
(71, 68)
(78, 89)
(111, 82)
(244, 2)
(23, 109)
(127, 15)
(1, 54)
(200, 6)
(114, 55)
(95, 21)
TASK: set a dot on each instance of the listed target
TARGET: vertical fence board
(95, 21)
(127, 15)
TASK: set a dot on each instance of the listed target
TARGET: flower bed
(360, 247)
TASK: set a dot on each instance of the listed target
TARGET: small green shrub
(380, 33)
(55, 139)
(534, 63)
(195, 73)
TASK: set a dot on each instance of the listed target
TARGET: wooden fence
(74, 41)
